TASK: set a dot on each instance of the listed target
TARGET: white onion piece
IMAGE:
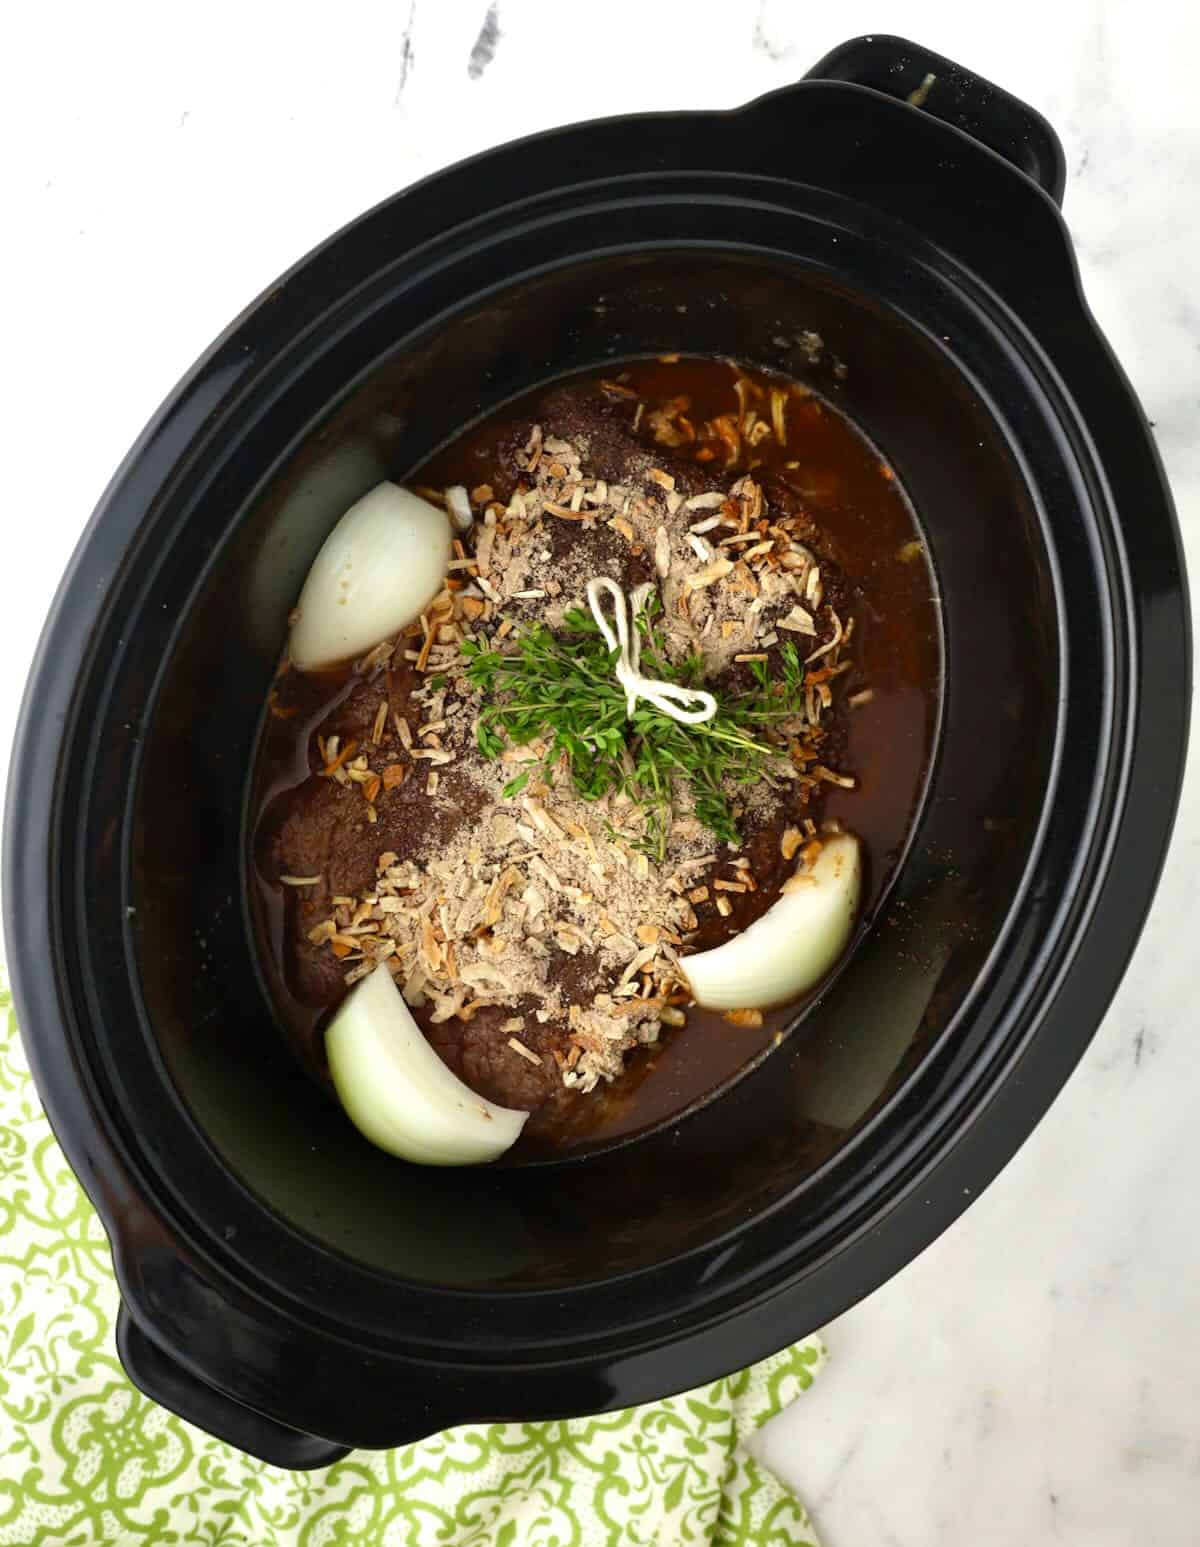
(397, 1091)
(458, 507)
(795, 942)
(377, 571)
(327, 487)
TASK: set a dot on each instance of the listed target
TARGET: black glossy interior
(789, 1119)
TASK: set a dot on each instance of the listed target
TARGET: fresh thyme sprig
(560, 686)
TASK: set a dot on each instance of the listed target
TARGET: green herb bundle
(559, 686)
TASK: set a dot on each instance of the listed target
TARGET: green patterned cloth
(86, 1459)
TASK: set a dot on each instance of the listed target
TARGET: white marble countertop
(1035, 1376)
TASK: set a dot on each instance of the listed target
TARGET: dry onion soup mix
(588, 751)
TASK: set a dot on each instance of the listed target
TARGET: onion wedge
(376, 572)
(399, 1094)
(793, 945)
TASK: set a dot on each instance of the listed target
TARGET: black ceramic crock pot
(297, 1292)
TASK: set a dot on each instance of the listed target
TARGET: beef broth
(316, 829)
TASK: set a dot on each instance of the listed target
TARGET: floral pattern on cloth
(86, 1460)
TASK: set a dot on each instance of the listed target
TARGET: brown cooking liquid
(868, 530)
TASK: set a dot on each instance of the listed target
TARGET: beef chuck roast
(320, 827)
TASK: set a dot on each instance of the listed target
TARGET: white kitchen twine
(625, 638)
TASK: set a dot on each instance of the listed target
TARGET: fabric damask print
(87, 1461)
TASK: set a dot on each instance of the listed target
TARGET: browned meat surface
(478, 1052)
(320, 828)
(604, 424)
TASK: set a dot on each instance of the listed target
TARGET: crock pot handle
(966, 101)
(169, 1384)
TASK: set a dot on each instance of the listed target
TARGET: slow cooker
(297, 1292)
